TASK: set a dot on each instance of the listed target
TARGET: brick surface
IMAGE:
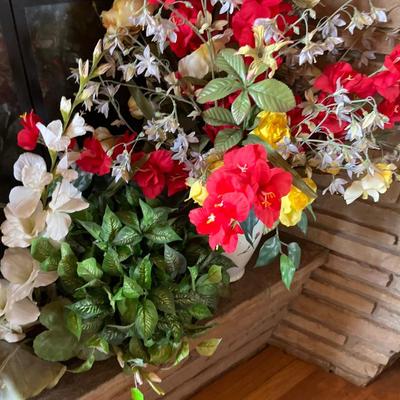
(347, 323)
(354, 229)
(356, 250)
(367, 350)
(315, 328)
(357, 270)
(339, 296)
(325, 351)
(384, 296)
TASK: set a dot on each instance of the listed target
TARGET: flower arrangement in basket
(209, 120)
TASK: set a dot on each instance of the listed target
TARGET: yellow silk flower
(198, 192)
(294, 203)
(272, 127)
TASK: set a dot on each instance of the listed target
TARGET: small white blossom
(379, 14)
(359, 21)
(330, 27)
(227, 6)
(181, 145)
(271, 30)
(147, 64)
(310, 51)
(336, 186)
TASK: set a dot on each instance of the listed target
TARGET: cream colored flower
(54, 137)
(14, 315)
(19, 232)
(66, 199)
(198, 64)
(63, 167)
(31, 170)
(104, 136)
(24, 273)
(372, 184)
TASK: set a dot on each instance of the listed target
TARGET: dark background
(40, 41)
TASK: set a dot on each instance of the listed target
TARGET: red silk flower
(158, 172)
(93, 158)
(243, 20)
(351, 80)
(246, 180)
(28, 136)
(187, 41)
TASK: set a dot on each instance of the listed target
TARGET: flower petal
(58, 224)
(23, 201)
(23, 312)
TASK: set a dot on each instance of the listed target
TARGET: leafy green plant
(136, 283)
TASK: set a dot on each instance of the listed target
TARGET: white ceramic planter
(244, 251)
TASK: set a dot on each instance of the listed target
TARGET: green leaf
(163, 300)
(93, 228)
(215, 274)
(111, 264)
(149, 216)
(287, 270)
(248, 226)
(175, 261)
(89, 270)
(41, 249)
(146, 319)
(67, 269)
(56, 345)
(145, 106)
(52, 315)
(269, 251)
(227, 138)
(272, 95)
(183, 353)
(110, 226)
(218, 89)
(229, 61)
(136, 394)
(294, 253)
(73, 323)
(85, 366)
(303, 223)
(194, 273)
(99, 344)
(241, 107)
(127, 235)
(143, 272)
(162, 234)
(128, 310)
(136, 349)
(160, 353)
(83, 181)
(311, 211)
(218, 116)
(131, 289)
(88, 308)
(208, 347)
(129, 218)
(200, 311)
(276, 159)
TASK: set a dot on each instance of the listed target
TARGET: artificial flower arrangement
(218, 114)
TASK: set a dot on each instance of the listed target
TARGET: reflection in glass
(60, 33)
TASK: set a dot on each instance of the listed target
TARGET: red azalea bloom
(392, 61)
(219, 219)
(152, 175)
(176, 180)
(387, 84)
(187, 41)
(93, 158)
(351, 80)
(244, 162)
(275, 183)
(28, 136)
(242, 22)
(391, 110)
(121, 142)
